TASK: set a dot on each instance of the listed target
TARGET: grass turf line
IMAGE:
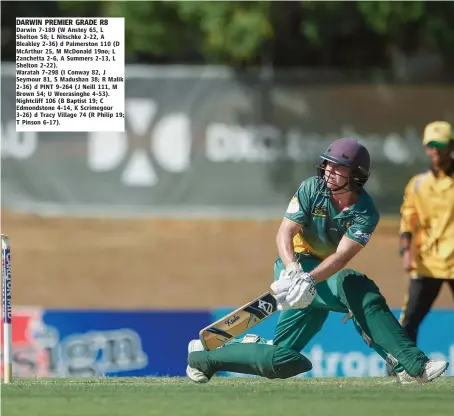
(226, 396)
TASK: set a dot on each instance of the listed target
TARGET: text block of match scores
(70, 74)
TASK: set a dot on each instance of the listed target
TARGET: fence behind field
(209, 141)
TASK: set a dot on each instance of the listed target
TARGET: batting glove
(302, 292)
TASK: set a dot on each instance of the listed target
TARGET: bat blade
(238, 321)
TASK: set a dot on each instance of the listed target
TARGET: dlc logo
(154, 143)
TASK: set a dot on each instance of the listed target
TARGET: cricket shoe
(432, 370)
(195, 375)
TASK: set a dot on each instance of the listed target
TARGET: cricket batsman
(327, 223)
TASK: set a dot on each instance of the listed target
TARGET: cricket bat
(238, 321)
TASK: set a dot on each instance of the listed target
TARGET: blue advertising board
(338, 349)
(88, 343)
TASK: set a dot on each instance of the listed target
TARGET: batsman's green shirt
(323, 225)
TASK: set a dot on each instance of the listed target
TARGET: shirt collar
(356, 208)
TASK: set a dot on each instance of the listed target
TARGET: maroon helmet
(348, 152)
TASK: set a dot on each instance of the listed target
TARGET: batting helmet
(348, 152)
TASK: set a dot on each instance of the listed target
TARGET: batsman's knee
(286, 363)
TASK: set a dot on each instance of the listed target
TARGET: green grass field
(224, 396)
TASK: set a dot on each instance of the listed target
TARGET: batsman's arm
(295, 217)
(284, 240)
(346, 250)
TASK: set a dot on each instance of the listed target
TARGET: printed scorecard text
(70, 74)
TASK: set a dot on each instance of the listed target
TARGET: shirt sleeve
(362, 228)
(298, 209)
(408, 213)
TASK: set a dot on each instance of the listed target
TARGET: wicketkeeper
(328, 221)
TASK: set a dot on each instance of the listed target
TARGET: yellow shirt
(427, 212)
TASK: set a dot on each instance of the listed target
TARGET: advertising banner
(60, 343)
(54, 343)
